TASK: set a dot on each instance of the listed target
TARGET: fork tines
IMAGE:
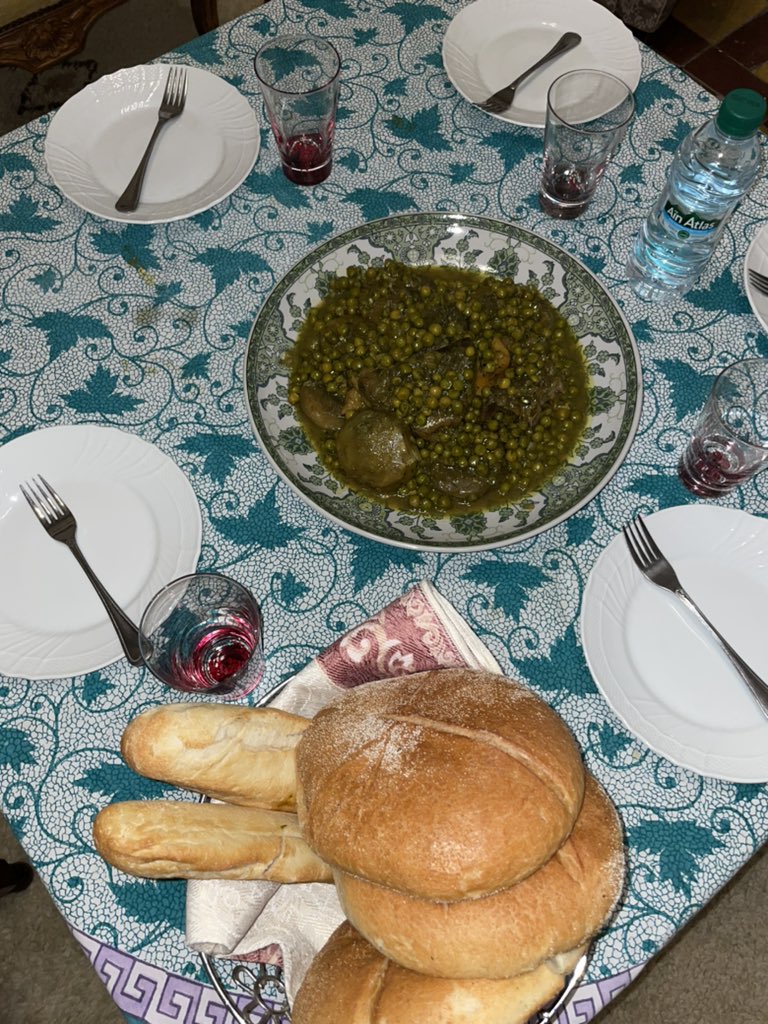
(45, 502)
(641, 544)
(494, 106)
(176, 86)
(758, 281)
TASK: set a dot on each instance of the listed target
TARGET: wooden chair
(205, 14)
(48, 31)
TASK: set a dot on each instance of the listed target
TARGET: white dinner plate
(660, 671)
(490, 42)
(97, 138)
(138, 525)
(757, 259)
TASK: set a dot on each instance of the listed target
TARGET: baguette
(178, 839)
(239, 755)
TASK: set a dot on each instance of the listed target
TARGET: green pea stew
(437, 389)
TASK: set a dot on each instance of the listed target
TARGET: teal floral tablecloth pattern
(145, 327)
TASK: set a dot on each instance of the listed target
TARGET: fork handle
(129, 200)
(125, 629)
(758, 687)
(565, 43)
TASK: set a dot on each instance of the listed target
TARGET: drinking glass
(299, 79)
(587, 117)
(202, 633)
(730, 441)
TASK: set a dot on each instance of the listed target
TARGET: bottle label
(687, 223)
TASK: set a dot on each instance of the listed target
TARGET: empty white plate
(96, 140)
(757, 259)
(138, 525)
(658, 668)
(490, 42)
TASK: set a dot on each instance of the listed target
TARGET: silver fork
(758, 281)
(504, 98)
(171, 105)
(62, 526)
(652, 563)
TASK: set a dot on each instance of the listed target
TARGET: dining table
(143, 328)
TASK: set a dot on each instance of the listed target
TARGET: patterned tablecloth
(144, 328)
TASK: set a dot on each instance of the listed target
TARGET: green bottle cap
(741, 113)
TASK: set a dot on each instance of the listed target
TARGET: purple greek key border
(151, 994)
(594, 996)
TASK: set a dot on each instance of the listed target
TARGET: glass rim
(146, 647)
(297, 37)
(581, 127)
(714, 397)
(187, 578)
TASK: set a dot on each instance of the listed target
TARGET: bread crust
(350, 981)
(178, 839)
(239, 755)
(558, 907)
(444, 784)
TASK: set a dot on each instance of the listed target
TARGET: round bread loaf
(350, 981)
(443, 784)
(558, 907)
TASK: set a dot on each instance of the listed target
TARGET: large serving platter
(455, 240)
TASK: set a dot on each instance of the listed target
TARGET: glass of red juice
(587, 117)
(202, 634)
(729, 443)
(299, 79)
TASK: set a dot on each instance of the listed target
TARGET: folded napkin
(288, 924)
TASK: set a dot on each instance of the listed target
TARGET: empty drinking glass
(299, 79)
(202, 633)
(729, 443)
(587, 117)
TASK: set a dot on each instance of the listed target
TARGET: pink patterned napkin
(287, 924)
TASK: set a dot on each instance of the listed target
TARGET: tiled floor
(721, 43)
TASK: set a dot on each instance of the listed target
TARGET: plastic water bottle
(711, 171)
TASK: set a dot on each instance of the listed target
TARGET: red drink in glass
(729, 443)
(567, 191)
(709, 472)
(202, 634)
(214, 655)
(588, 111)
(306, 158)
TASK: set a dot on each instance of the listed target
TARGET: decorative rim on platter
(465, 241)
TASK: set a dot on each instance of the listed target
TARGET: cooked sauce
(438, 390)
